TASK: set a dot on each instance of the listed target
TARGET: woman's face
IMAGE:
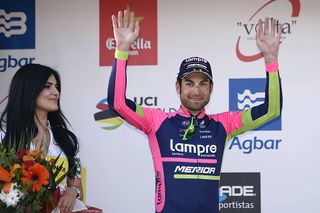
(47, 100)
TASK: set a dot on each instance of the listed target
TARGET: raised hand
(125, 30)
(268, 40)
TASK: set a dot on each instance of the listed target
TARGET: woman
(33, 110)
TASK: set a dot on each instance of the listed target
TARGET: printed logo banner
(144, 50)
(247, 93)
(240, 193)
(17, 24)
(110, 120)
(250, 26)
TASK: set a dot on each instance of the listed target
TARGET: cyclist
(188, 145)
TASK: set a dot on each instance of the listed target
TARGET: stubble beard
(192, 106)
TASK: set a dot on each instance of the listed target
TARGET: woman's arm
(69, 196)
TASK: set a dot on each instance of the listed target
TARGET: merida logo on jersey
(195, 169)
(192, 148)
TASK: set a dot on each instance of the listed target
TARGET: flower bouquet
(28, 181)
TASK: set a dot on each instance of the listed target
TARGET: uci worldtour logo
(111, 120)
(152, 101)
(106, 116)
(17, 24)
(250, 29)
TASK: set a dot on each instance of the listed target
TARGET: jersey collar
(185, 112)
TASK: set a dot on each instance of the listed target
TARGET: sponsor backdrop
(270, 170)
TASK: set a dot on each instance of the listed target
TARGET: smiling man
(194, 84)
(188, 145)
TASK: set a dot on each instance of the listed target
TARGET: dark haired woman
(33, 109)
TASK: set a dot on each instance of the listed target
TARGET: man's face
(195, 91)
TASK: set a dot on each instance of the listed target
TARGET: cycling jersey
(188, 172)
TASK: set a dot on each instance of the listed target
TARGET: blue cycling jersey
(187, 172)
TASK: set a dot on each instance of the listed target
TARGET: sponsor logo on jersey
(195, 170)
(199, 149)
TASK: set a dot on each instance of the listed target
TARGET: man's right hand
(125, 30)
(268, 40)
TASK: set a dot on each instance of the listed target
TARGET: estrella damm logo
(17, 24)
(247, 93)
(144, 51)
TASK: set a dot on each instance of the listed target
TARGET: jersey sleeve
(138, 116)
(239, 122)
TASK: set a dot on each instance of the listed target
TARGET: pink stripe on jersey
(189, 160)
(160, 195)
